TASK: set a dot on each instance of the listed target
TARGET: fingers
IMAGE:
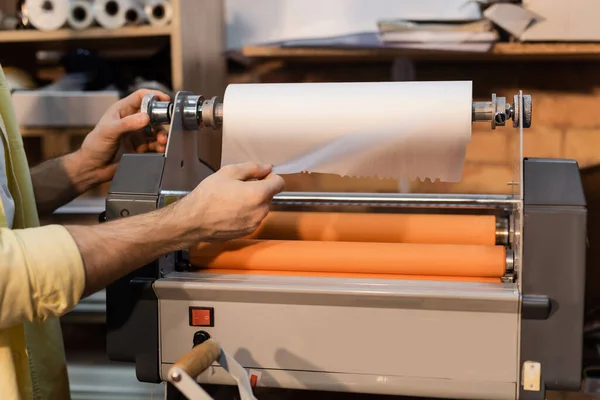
(156, 147)
(131, 123)
(247, 171)
(131, 104)
(161, 138)
(159, 144)
(272, 185)
(143, 148)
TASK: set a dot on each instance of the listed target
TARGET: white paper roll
(47, 15)
(134, 14)
(110, 14)
(81, 15)
(159, 12)
(403, 130)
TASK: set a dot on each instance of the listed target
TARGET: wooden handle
(195, 361)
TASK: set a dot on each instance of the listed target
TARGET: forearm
(46, 270)
(114, 249)
(58, 181)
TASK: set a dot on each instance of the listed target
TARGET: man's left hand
(119, 131)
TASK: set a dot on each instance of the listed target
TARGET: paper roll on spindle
(46, 15)
(349, 257)
(366, 129)
(81, 15)
(387, 228)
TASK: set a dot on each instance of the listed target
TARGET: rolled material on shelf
(134, 14)
(387, 228)
(110, 14)
(353, 276)
(400, 130)
(46, 15)
(81, 15)
(159, 12)
(352, 257)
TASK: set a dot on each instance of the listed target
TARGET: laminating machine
(433, 295)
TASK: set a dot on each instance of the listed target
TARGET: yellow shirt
(41, 278)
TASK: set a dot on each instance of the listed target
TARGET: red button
(201, 317)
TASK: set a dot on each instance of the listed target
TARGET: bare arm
(229, 204)
(47, 269)
(116, 248)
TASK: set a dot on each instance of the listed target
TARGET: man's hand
(119, 131)
(230, 203)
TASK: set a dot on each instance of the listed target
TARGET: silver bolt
(509, 110)
(500, 118)
(176, 376)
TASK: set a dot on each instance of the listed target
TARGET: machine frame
(531, 337)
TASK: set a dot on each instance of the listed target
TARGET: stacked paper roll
(49, 15)
(134, 14)
(81, 15)
(159, 12)
(110, 14)
(46, 15)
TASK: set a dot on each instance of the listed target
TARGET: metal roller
(199, 112)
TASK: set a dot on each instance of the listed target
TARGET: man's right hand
(229, 204)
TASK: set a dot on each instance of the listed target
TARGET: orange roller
(389, 228)
(346, 257)
(354, 276)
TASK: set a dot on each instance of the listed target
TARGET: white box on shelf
(52, 109)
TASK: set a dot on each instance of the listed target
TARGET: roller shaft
(209, 113)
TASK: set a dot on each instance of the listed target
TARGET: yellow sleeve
(41, 274)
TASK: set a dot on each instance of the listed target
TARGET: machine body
(513, 337)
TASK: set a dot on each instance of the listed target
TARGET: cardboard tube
(387, 228)
(347, 257)
(353, 276)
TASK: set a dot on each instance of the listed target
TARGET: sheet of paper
(399, 130)
(265, 21)
(371, 40)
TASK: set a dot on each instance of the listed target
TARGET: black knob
(200, 337)
(102, 217)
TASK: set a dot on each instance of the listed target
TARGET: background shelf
(31, 36)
